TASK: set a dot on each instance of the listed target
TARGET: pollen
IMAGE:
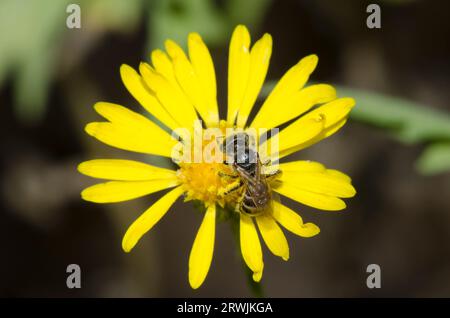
(208, 182)
(203, 181)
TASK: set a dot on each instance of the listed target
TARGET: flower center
(203, 181)
(208, 180)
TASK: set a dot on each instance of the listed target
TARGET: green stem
(255, 288)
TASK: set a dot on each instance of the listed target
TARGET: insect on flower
(256, 196)
(177, 89)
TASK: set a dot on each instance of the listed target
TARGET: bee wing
(258, 170)
(275, 197)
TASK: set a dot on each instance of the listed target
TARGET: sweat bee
(256, 194)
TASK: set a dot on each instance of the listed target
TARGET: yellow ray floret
(149, 218)
(202, 249)
(250, 246)
(273, 236)
(124, 170)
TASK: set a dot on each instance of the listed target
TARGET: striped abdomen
(256, 197)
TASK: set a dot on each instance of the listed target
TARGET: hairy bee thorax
(255, 195)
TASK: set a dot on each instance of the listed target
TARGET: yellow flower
(176, 89)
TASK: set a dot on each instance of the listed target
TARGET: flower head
(180, 89)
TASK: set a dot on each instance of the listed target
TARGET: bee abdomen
(248, 201)
(248, 205)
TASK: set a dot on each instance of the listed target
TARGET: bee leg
(272, 175)
(226, 175)
(233, 187)
(239, 207)
(244, 173)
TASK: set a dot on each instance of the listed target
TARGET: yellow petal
(333, 111)
(163, 65)
(124, 118)
(324, 134)
(135, 85)
(258, 275)
(334, 115)
(123, 170)
(173, 49)
(294, 105)
(191, 80)
(303, 166)
(259, 64)
(322, 183)
(193, 88)
(273, 236)
(144, 138)
(250, 245)
(289, 84)
(295, 166)
(176, 103)
(339, 174)
(204, 69)
(293, 222)
(299, 132)
(315, 200)
(202, 250)
(118, 191)
(190, 87)
(149, 218)
(238, 70)
(202, 63)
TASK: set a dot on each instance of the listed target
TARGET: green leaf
(174, 19)
(435, 159)
(117, 15)
(31, 50)
(248, 12)
(27, 52)
(409, 121)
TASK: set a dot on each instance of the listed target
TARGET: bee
(256, 194)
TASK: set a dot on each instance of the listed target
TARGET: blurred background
(396, 147)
